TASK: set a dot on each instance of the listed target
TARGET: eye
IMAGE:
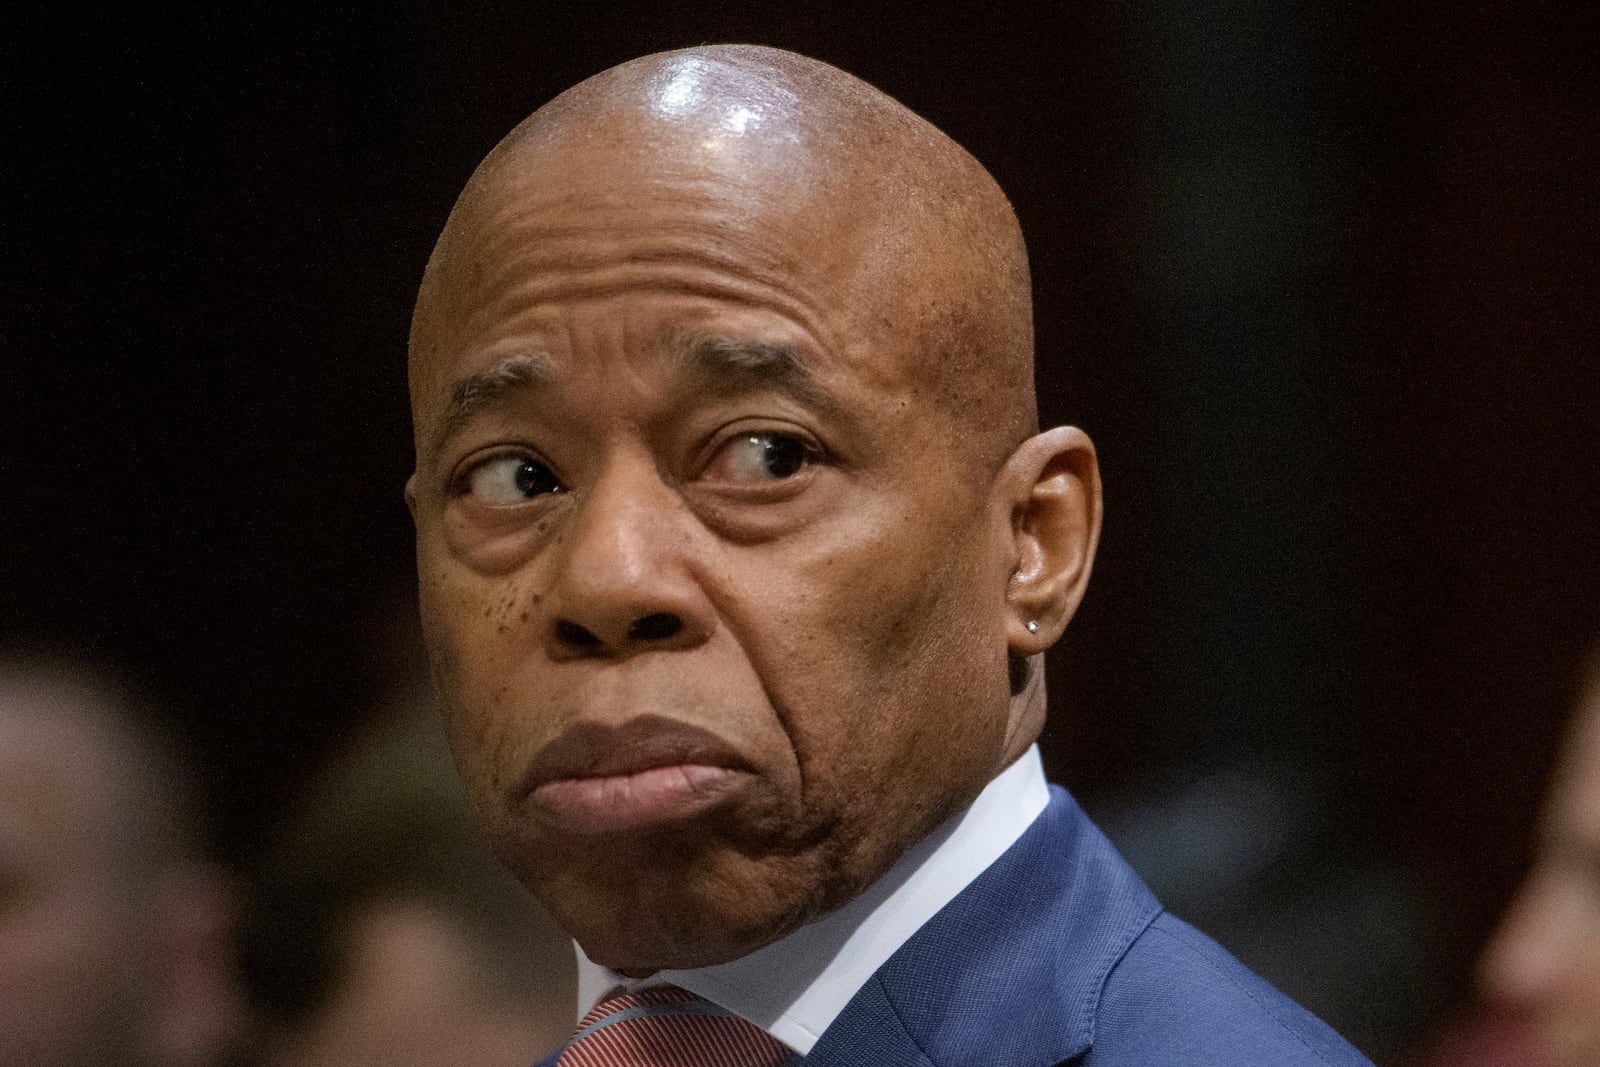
(759, 457)
(506, 480)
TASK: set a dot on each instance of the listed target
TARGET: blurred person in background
(384, 933)
(1539, 977)
(1542, 967)
(114, 931)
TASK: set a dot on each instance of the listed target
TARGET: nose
(625, 582)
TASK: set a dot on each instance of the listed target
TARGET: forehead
(538, 244)
(760, 211)
(615, 221)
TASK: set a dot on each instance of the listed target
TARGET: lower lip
(643, 800)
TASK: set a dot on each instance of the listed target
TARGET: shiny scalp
(935, 246)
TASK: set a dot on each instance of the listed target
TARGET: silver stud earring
(1033, 626)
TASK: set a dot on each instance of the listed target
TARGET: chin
(702, 895)
(652, 918)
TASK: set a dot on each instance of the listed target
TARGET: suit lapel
(1010, 971)
(869, 1031)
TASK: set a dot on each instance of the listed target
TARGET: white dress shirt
(796, 986)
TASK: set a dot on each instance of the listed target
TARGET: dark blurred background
(1319, 279)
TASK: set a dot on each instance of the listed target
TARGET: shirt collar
(795, 987)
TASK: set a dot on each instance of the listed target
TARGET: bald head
(806, 171)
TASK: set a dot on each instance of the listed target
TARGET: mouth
(647, 774)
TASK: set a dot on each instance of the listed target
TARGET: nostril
(571, 633)
(657, 627)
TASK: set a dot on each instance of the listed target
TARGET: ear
(1051, 486)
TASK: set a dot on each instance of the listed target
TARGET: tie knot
(669, 1027)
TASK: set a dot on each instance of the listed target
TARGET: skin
(107, 941)
(758, 341)
(1543, 964)
(413, 995)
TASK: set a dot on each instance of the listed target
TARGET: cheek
(886, 662)
(918, 615)
(474, 643)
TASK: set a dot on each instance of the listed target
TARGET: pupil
(534, 478)
(783, 456)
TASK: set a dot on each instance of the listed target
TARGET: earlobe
(1053, 481)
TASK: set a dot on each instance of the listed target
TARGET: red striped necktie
(670, 1027)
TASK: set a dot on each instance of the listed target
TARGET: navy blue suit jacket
(1058, 954)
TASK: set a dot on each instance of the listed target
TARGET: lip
(648, 773)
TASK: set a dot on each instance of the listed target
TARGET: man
(738, 548)
(113, 934)
(1542, 968)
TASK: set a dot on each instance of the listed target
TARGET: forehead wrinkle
(526, 253)
(573, 281)
(474, 393)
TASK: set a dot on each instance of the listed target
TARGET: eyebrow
(474, 393)
(726, 366)
(721, 366)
